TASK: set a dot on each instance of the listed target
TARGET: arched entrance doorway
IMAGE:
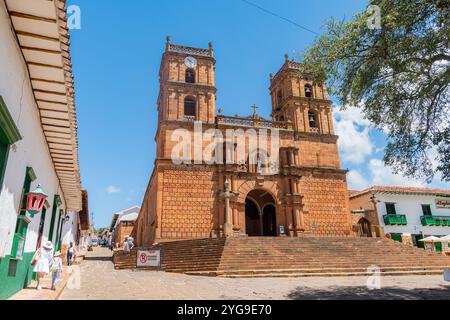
(364, 228)
(260, 214)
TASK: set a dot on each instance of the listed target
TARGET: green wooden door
(438, 246)
(417, 242)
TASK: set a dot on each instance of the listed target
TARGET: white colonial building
(122, 224)
(403, 212)
(38, 135)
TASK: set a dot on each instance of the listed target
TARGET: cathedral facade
(295, 188)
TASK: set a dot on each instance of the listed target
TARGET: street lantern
(35, 200)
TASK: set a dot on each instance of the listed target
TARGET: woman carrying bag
(42, 261)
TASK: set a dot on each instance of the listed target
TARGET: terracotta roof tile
(405, 190)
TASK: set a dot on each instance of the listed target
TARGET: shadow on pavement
(97, 258)
(363, 293)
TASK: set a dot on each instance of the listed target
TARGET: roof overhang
(403, 191)
(43, 36)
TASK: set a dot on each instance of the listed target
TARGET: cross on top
(254, 107)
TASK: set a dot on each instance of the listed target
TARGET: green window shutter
(4, 151)
(56, 204)
(22, 220)
(60, 225)
(30, 176)
(9, 134)
(19, 238)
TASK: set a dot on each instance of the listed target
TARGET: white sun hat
(48, 245)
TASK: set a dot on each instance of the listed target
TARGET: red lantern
(35, 201)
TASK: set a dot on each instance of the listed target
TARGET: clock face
(190, 62)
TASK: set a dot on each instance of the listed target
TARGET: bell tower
(296, 98)
(187, 84)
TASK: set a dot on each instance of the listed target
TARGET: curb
(60, 289)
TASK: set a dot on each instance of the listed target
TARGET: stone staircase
(292, 257)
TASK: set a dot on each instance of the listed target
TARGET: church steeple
(296, 98)
(187, 84)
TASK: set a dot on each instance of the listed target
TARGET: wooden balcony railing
(435, 221)
(395, 219)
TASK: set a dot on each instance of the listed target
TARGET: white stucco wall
(70, 229)
(32, 150)
(411, 206)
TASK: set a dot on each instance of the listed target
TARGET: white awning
(431, 239)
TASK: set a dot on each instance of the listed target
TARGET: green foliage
(399, 75)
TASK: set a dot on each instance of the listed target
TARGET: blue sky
(116, 57)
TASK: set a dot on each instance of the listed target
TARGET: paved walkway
(97, 279)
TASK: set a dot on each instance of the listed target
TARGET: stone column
(236, 219)
(299, 221)
(220, 209)
(291, 154)
(261, 223)
(228, 225)
(294, 186)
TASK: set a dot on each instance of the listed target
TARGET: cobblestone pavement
(99, 280)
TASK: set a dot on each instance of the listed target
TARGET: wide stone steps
(291, 257)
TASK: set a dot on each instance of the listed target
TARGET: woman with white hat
(42, 261)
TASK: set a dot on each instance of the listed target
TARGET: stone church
(306, 195)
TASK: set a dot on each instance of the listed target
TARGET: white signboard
(149, 258)
(442, 203)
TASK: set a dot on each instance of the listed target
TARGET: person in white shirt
(126, 246)
(57, 269)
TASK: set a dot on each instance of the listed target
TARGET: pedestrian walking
(126, 246)
(42, 261)
(110, 244)
(70, 253)
(57, 269)
(130, 241)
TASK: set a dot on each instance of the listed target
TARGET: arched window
(308, 91)
(312, 119)
(190, 75)
(189, 106)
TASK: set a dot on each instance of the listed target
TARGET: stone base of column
(299, 232)
(228, 230)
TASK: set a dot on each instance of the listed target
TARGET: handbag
(36, 257)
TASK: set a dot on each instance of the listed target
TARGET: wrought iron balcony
(435, 221)
(395, 219)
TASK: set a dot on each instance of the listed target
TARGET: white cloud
(353, 130)
(360, 152)
(352, 113)
(382, 175)
(112, 189)
(356, 181)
